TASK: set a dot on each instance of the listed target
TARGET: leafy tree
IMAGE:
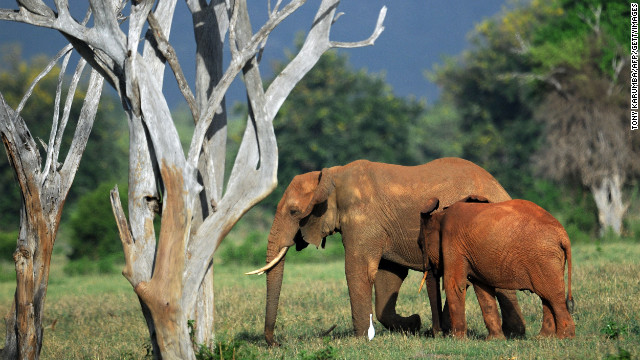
(494, 110)
(586, 112)
(565, 63)
(93, 228)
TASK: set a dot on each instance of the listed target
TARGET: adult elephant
(376, 207)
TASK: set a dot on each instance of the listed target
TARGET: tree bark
(611, 207)
(43, 197)
(173, 276)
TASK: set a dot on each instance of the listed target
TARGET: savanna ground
(98, 317)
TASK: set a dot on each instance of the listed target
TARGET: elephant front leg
(455, 288)
(487, 299)
(388, 281)
(361, 273)
(513, 324)
(435, 302)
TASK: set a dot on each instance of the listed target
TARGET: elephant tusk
(271, 264)
(422, 282)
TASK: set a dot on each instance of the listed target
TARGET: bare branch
(367, 42)
(595, 23)
(617, 63)
(524, 47)
(50, 163)
(125, 235)
(234, 68)
(20, 146)
(232, 29)
(83, 129)
(170, 55)
(42, 74)
(529, 77)
(164, 15)
(67, 106)
(37, 7)
(316, 43)
(137, 19)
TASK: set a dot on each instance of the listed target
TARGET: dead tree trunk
(44, 188)
(172, 276)
(611, 207)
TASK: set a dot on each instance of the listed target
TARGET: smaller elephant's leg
(548, 321)
(564, 325)
(455, 287)
(487, 299)
(445, 324)
(513, 324)
(435, 302)
(387, 284)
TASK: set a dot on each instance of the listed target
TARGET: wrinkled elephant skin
(376, 207)
(511, 245)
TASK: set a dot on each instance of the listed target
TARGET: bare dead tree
(587, 138)
(172, 275)
(586, 114)
(44, 185)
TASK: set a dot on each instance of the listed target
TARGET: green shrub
(94, 234)
(86, 266)
(8, 243)
(252, 250)
(573, 207)
(621, 355)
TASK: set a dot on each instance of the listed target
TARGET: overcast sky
(417, 35)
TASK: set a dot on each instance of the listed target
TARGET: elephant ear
(430, 206)
(322, 192)
(318, 219)
(475, 199)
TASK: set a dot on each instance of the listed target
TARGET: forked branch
(170, 55)
(232, 71)
(369, 41)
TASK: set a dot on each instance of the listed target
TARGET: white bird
(372, 332)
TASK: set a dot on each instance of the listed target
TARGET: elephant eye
(294, 212)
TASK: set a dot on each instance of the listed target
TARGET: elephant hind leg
(548, 320)
(554, 307)
(564, 325)
(388, 281)
(513, 324)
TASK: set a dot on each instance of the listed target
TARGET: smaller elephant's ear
(430, 206)
(322, 192)
(475, 199)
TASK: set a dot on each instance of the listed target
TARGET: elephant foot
(499, 336)
(410, 324)
(513, 324)
(270, 339)
(513, 330)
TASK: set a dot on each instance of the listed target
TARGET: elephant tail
(566, 246)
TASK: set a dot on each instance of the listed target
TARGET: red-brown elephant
(376, 207)
(510, 245)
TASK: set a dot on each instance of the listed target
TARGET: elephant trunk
(274, 285)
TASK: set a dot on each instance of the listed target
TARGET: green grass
(98, 317)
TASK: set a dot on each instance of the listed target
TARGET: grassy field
(98, 317)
